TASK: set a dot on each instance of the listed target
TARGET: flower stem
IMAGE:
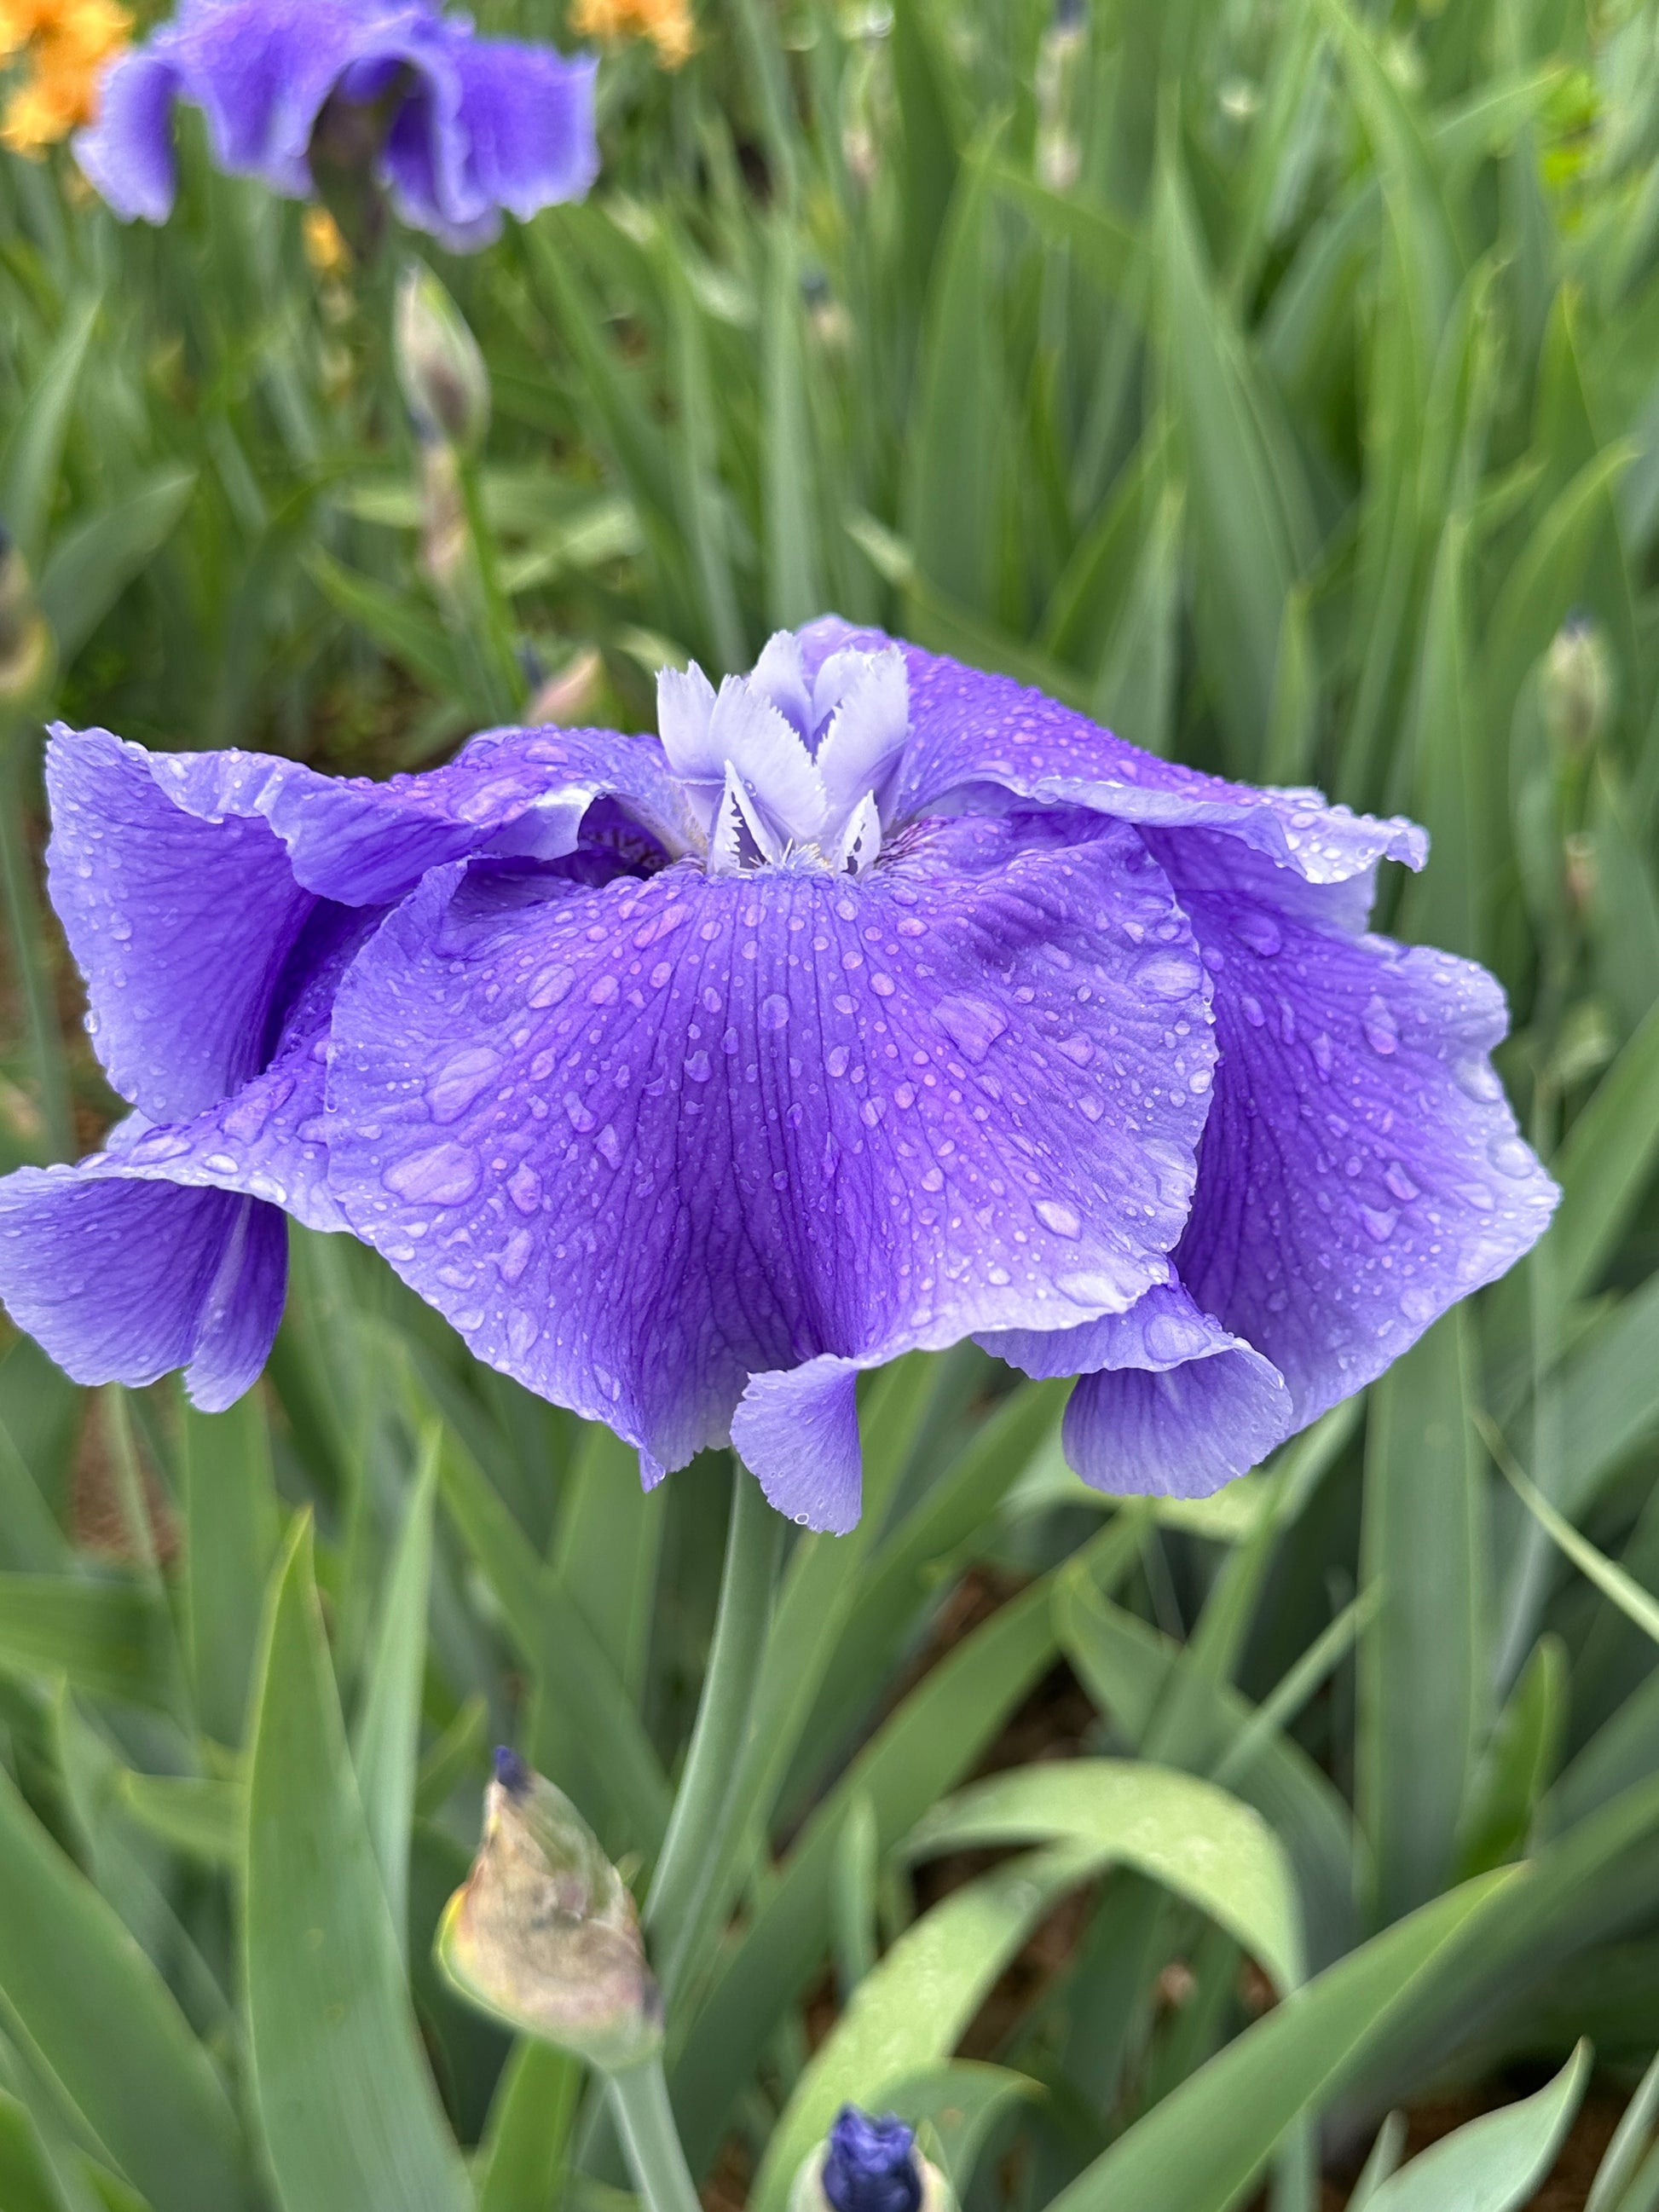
(651, 2139)
(699, 1827)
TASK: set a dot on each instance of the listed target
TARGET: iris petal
(483, 124)
(645, 1143)
(1361, 1169)
(968, 728)
(123, 1279)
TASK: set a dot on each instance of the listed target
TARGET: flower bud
(1577, 685)
(440, 367)
(868, 2164)
(25, 638)
(543, 1934)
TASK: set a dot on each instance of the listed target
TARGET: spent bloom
(58, 50)
(874, 1003)
(454, 127)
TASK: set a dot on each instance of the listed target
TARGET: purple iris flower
(870, 2165)
(472, 125)
(875, 1004)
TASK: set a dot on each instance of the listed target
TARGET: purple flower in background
(879, 1004)
(458, 127)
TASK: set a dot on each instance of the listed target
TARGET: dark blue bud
(511, 1771)
(870, 2165)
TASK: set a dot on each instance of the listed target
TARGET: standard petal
(122, 1279)
(1170, 1403)
(488, 123)
(1361, 1169)
(968, 728)
(644, 1143)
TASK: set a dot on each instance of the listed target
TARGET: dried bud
(440, 367)
(867, 2164)
(1577, 685)
(543, 1934)
(25, 639)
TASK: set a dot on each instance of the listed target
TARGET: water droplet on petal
(1055, 1214)
(442, 1175)
(773, 1010)
(1381, 1028)
(551, 985)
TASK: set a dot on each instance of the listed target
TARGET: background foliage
(1278, 379)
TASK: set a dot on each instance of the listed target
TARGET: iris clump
(873, 1004)
(454, 128)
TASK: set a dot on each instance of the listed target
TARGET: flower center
(775, 769)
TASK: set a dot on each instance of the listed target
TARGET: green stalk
(699, 1827)
(650, 2140)
(28, 953)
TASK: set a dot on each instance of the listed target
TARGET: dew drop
(697, 1067)
(551, 985)
(442, 1175)
(1381, 1028)
(1055, 1214)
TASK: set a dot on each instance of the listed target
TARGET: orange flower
(666, 23)
(64, 46)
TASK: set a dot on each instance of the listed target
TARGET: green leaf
(1520, 1762)
(386, 1741)
(920, 1751)
(1196, 1840)
(526, 2147)
(109, 1639)
(409, 631)
(1423, 1664)
(1639, 1605)
(206, 1818)
(231, 1534)
(1245, 499)
(34, 445)
(954, 447)
(1624, 2152)
(1202, 2146)
(1494, 2163)
(911, 2010)
(352, 2120)
(106, 2028)
(92, 564)
(953, 2109)
(793, 566)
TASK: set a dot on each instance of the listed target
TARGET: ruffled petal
(519, 792)
(260, 74)
(490, 124)
(127, 155)
(643, 1143)
(122, 1278)
(187, 882)
(968, 728)
(485, 124)
(798, 1429)
(1178, 1431)
(1169, 1401)
(1361, 1169)
(181, 928)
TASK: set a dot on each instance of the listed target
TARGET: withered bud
(441, 371)
(1578, 685)
(25, 638)
(543, 1934)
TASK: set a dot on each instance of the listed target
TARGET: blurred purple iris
(877, 1004)
(457, 127)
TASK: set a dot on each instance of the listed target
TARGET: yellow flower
(63, 45)
(666, 23)
(325, 249)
